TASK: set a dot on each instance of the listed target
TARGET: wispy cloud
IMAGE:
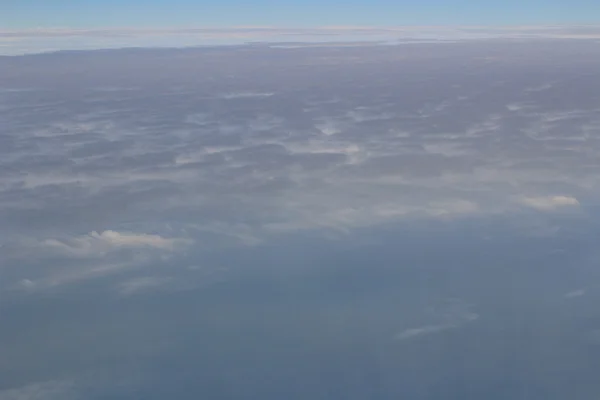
(424, 330)
(97, 244)
(95, 255)
(141, 284)
(549, 203)
(451, 316)
(575, 293)
(82, 273)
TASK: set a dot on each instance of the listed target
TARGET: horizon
(15, 42)
(27, 14)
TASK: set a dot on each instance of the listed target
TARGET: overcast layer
(168, 214)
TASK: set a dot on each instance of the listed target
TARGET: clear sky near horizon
(27, 14)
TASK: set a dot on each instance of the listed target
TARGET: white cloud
(71, 275)
(452, 315)
(329, 128)
(244, 95)
(429, 329)
(96, 244)
(549, 203)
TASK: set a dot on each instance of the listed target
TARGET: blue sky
(22, 14)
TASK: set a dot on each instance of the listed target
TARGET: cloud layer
(238, 145)
(97, 244)
(168, 215)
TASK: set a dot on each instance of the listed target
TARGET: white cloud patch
(97, 244)
(549, 203)
(329, 128)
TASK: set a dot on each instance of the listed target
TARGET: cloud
(331, 157)
(451, 315)
(97, 244)
(575, 293)
(549, 203)
(245, 95)
(424, 330)
(49, 390)
(141, 284)
(51, 263)
(67, 276)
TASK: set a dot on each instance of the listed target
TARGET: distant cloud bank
(18, 42)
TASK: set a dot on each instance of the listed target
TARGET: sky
(29, 14)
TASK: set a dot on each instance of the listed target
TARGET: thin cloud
(453, 315)
(549, 203)
(75, 275)
(424, 330)
(141, 284)
(95, 244)
(575, 293)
